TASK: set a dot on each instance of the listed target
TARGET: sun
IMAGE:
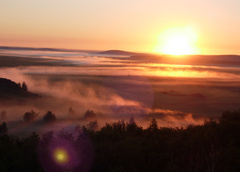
(178, 41)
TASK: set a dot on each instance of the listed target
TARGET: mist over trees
(49, 117)
(89, 114)
(30, 116)
(120, 146)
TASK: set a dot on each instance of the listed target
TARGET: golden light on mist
(178, 41)
(61, 156)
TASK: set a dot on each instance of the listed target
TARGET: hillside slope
(10, 90)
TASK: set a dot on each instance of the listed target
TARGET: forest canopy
(121, 146)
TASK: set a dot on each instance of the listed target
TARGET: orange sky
(134, 25)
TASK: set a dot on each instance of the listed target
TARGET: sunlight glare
(178, 41)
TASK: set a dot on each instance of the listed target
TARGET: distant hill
(15, 61)
(118, 52)
(10, 90)
(135, 57)
(29, 48)
(42, 49)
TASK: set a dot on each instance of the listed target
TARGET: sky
(136, 25)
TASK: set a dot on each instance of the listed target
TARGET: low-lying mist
(111, 98)
(116, 87)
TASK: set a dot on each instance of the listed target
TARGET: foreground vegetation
(120, 147)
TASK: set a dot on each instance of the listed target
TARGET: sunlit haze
(134, 25)
(119, 85)
(178, 41)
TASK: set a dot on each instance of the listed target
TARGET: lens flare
(61, 156)
(59, 152)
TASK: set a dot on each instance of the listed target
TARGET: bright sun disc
(178, 42)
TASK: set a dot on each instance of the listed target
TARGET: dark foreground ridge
(10, 90)
(127, 147)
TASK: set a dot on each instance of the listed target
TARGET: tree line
(126, 147)
(31, 115)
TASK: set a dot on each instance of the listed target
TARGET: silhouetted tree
(19, 85)
(89, 114)
(29, 116)
(230, 116)
(49, 117)
(29, 150)
(132, 128)
(153, 125)
(93, 125)
(71, 113)
(3, 128)
(24, 86)
(132, 121)
(212, 146)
